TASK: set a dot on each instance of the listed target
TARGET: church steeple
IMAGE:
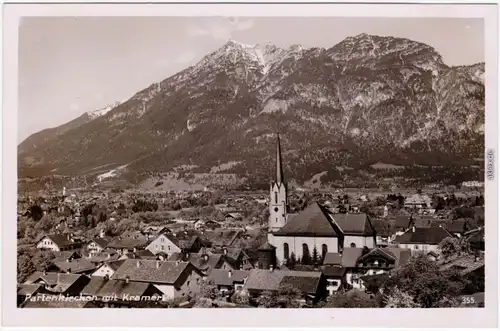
(279, 167)
(278, 194)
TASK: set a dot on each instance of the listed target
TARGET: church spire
(279, 166)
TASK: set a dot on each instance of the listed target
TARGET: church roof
(354, 224)
(314, 221)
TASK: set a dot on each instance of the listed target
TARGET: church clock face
(276, 209)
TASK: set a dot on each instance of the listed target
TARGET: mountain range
(368, 99)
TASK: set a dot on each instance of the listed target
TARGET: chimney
(224, 251)
(138, 264)
(271, 267)
(177, 262)
(157, 264)
(230, 273)
(127, 279)
(135, 249)
(109, 255)
(413, 228)
(205, 257)
(101, 234)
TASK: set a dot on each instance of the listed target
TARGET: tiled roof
(465, 264)
(64, 255)
(115, 265)
(101, 257)
(95, 284)
(403, 221)
(332, 258)
(28, 289)
(303, 284)
(354, 224)
(59, 282)
(198, 260)
(350, 256)
(333, 271)
(120, 288)
(142, 254)
(164, 272)
(431, 236)
(75, 265)
(100, 241)
(262, 279)
(132, 242)
(221, 277)
(315, 221)
(60, 240)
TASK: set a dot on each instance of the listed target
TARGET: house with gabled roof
(422, 239)
(59, 283)
(107, 268)
(174, 279)
(312, 284)
(97, 245)
(112, 293)
(58, 243)
(228, 281)
(76, 266)
(129, 243)
(203, 261)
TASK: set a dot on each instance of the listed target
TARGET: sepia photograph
(243, 158)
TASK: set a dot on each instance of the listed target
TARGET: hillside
(365, 100)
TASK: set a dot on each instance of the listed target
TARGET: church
(315, 227)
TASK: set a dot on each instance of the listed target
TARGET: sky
(71, 65)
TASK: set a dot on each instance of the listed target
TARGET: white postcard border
(470, 317)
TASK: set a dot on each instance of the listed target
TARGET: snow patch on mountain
(102, 111)
(275, 106)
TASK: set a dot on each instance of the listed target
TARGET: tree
(422, 279)
(240, 298)
(448, 247)
(35, 212)
(209, 290)
(306, 258)
(315, 259)
(292, 261)
(400, 299)
(267, 299)
(289, 296)
(31, 260)
(351, 299)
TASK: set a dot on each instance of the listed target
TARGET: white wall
(46, 243)
(333, 285)
(277, 208)
(93, 247)
(162, 244)
(359, 241)
(295, 245)
(191, 287)
(104, 270)
(426, 248)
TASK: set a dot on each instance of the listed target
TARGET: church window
(276, 220)
(275, 197)
(324, 250)
(353, 245)
(285, 251)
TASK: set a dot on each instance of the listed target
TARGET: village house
(236, 256)
(26, 291)
(228, 281)
(58, 242)
(356, 262)
(128, 243)
(59, 283)
(142, 254)
(75, 266)
(112, 293)
(107, 268)
(204, 262)
(311, 284)
(174, 279)
(422, 239)
(97, 245)
(418, 201)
